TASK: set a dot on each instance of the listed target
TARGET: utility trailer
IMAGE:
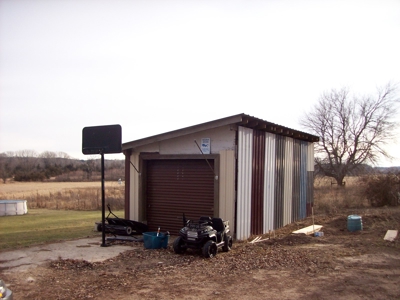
(118, 226)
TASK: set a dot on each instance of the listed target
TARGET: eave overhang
(237, 120)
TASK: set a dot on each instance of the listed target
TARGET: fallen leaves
(142, 273)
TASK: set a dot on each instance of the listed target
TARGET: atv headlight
(192, 235)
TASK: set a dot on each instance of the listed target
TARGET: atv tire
(179, 245)
(227, 243)
(210, 249)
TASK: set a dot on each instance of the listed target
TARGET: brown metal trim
(148, 156)
(257, 185)
(142, 189)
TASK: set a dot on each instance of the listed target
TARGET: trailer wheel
(128, 230)
(210, 249)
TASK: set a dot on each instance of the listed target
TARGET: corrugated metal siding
(269, 182)
(303, 180)
(310, 157)
(310, 193)
(279, 181)
(288, 181)
(277, 168)
(136, 211)
(257, 184)
(127, 195)
(310, 177)
(244, 179)
(175, 187)
(227, 187)
(296, 180)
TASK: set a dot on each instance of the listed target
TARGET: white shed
(256, 174)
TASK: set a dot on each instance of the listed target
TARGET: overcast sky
(157, 66)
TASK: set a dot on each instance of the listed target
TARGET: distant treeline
(27, 165)
(360, 170)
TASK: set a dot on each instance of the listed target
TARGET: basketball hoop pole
(101, 140)
(103, 210)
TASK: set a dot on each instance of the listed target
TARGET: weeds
(329, 198)
(78, 199)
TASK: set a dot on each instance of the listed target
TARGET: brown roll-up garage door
(178, 186)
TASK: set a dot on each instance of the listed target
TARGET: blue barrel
(354, 223)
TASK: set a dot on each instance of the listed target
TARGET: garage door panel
(175, 187)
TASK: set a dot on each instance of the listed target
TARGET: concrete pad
(88, 249)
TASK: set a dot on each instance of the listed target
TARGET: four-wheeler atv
(208, 234)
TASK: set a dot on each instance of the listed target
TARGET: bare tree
(48, 154)
(6, 166)
(27, 159)
(353, 130)
(63, 155)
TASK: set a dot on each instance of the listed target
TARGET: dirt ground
(340, 264)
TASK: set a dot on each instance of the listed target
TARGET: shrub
(382, 189)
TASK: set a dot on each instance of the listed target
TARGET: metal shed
(254, 173)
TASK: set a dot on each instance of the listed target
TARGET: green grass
(43, 226)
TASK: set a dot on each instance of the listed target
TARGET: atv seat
(207, 220)
(218, 224)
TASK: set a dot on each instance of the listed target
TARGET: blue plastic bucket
(152, 241)
(354, 223)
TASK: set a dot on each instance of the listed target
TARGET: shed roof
(239, 120)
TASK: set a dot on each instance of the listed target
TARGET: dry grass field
(64, 195)
(332, 199)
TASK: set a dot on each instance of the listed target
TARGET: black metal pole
(103, 210)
